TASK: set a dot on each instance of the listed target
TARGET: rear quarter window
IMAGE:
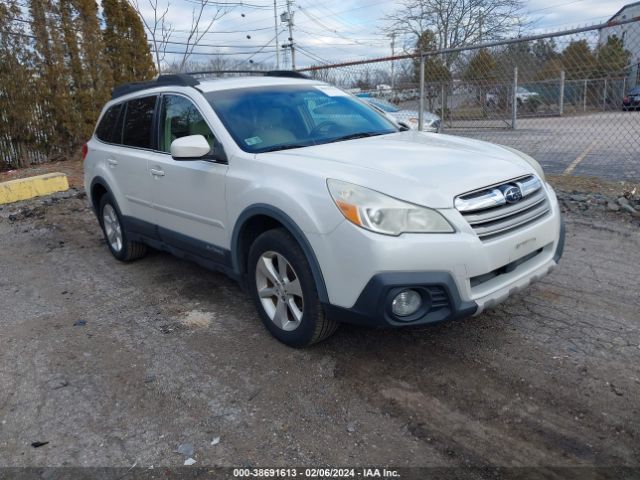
(107, 130)
(138, 122)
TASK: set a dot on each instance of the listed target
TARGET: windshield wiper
(286, 146)
(353, 136)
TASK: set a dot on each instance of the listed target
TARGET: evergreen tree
(481, 68)
(612, 59)
(578, 60)
(53, 85)
(91, 74)
(17, 110)
(481, 74)
(436, 72)
(126, 43)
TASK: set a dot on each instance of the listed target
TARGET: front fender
(294, 230)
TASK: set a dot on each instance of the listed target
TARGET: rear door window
(138, 122)
(107, 128)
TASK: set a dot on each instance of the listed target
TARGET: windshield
(383, 105)
(635, 91)
(266, 119)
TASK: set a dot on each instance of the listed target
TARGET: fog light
(407, 302)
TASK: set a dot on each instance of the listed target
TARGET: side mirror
(191, 147)
(404, 127)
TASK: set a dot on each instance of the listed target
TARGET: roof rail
(266, 73)
(187, 80)
(182, 80)
(285, 73)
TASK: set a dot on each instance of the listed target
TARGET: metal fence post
(442, 106)
(584, 97)
(561, 92)
(604, 96)
(514, 100)
(421, 109)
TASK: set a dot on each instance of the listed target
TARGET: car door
(127, 161)
(188, 195)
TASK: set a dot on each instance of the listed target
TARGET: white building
(630, 35)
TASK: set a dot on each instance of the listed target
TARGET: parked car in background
(632, 99)
(523, 96)
(409, 117)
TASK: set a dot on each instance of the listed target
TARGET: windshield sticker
(252, 141)
(331, 91)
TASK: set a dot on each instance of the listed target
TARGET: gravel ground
(118, 364)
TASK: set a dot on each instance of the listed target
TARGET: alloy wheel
(279, 290)
(112, 227)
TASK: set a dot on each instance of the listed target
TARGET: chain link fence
(570, 99)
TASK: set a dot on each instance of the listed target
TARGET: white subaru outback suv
(321, 207)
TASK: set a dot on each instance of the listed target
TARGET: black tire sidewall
(281, 242)
(107, 199)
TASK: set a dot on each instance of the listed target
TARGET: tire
(115, 235)
(289, 305)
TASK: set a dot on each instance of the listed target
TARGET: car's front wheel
(284, 291)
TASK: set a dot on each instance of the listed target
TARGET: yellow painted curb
(26, 188)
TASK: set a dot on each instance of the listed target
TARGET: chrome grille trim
(489, 218)
(495, 214)
(492, 196)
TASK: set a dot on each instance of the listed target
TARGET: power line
(262, 49)
(312, 55)
(173, 52)
(371, 41)
(228, 4)
(323, 25)
(171, 42)
(331, 13)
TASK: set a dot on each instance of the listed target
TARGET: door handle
(156, 172)
(112, 162)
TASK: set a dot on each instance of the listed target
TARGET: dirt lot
(116, 365)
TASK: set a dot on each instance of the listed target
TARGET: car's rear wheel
(284, 291)
(115, 235)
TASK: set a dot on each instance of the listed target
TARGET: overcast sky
(339, 30)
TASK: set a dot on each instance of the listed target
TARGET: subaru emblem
(512, 194)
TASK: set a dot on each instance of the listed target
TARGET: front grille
(498, 209)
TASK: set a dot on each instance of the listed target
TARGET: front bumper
(439, 291)
(478, 272)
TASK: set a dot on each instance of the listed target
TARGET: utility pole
(393, 54)
(275, 26)
(288, 18)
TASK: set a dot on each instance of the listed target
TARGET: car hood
(426, 169)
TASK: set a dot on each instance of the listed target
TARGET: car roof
(213, 85)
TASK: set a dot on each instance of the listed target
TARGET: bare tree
(195, 32)
(457, 22)
(160, 30)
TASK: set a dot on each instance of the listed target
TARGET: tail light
(625, 99)
(85, 150)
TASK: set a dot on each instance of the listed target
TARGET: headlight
(382, 214)
(530, 160)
